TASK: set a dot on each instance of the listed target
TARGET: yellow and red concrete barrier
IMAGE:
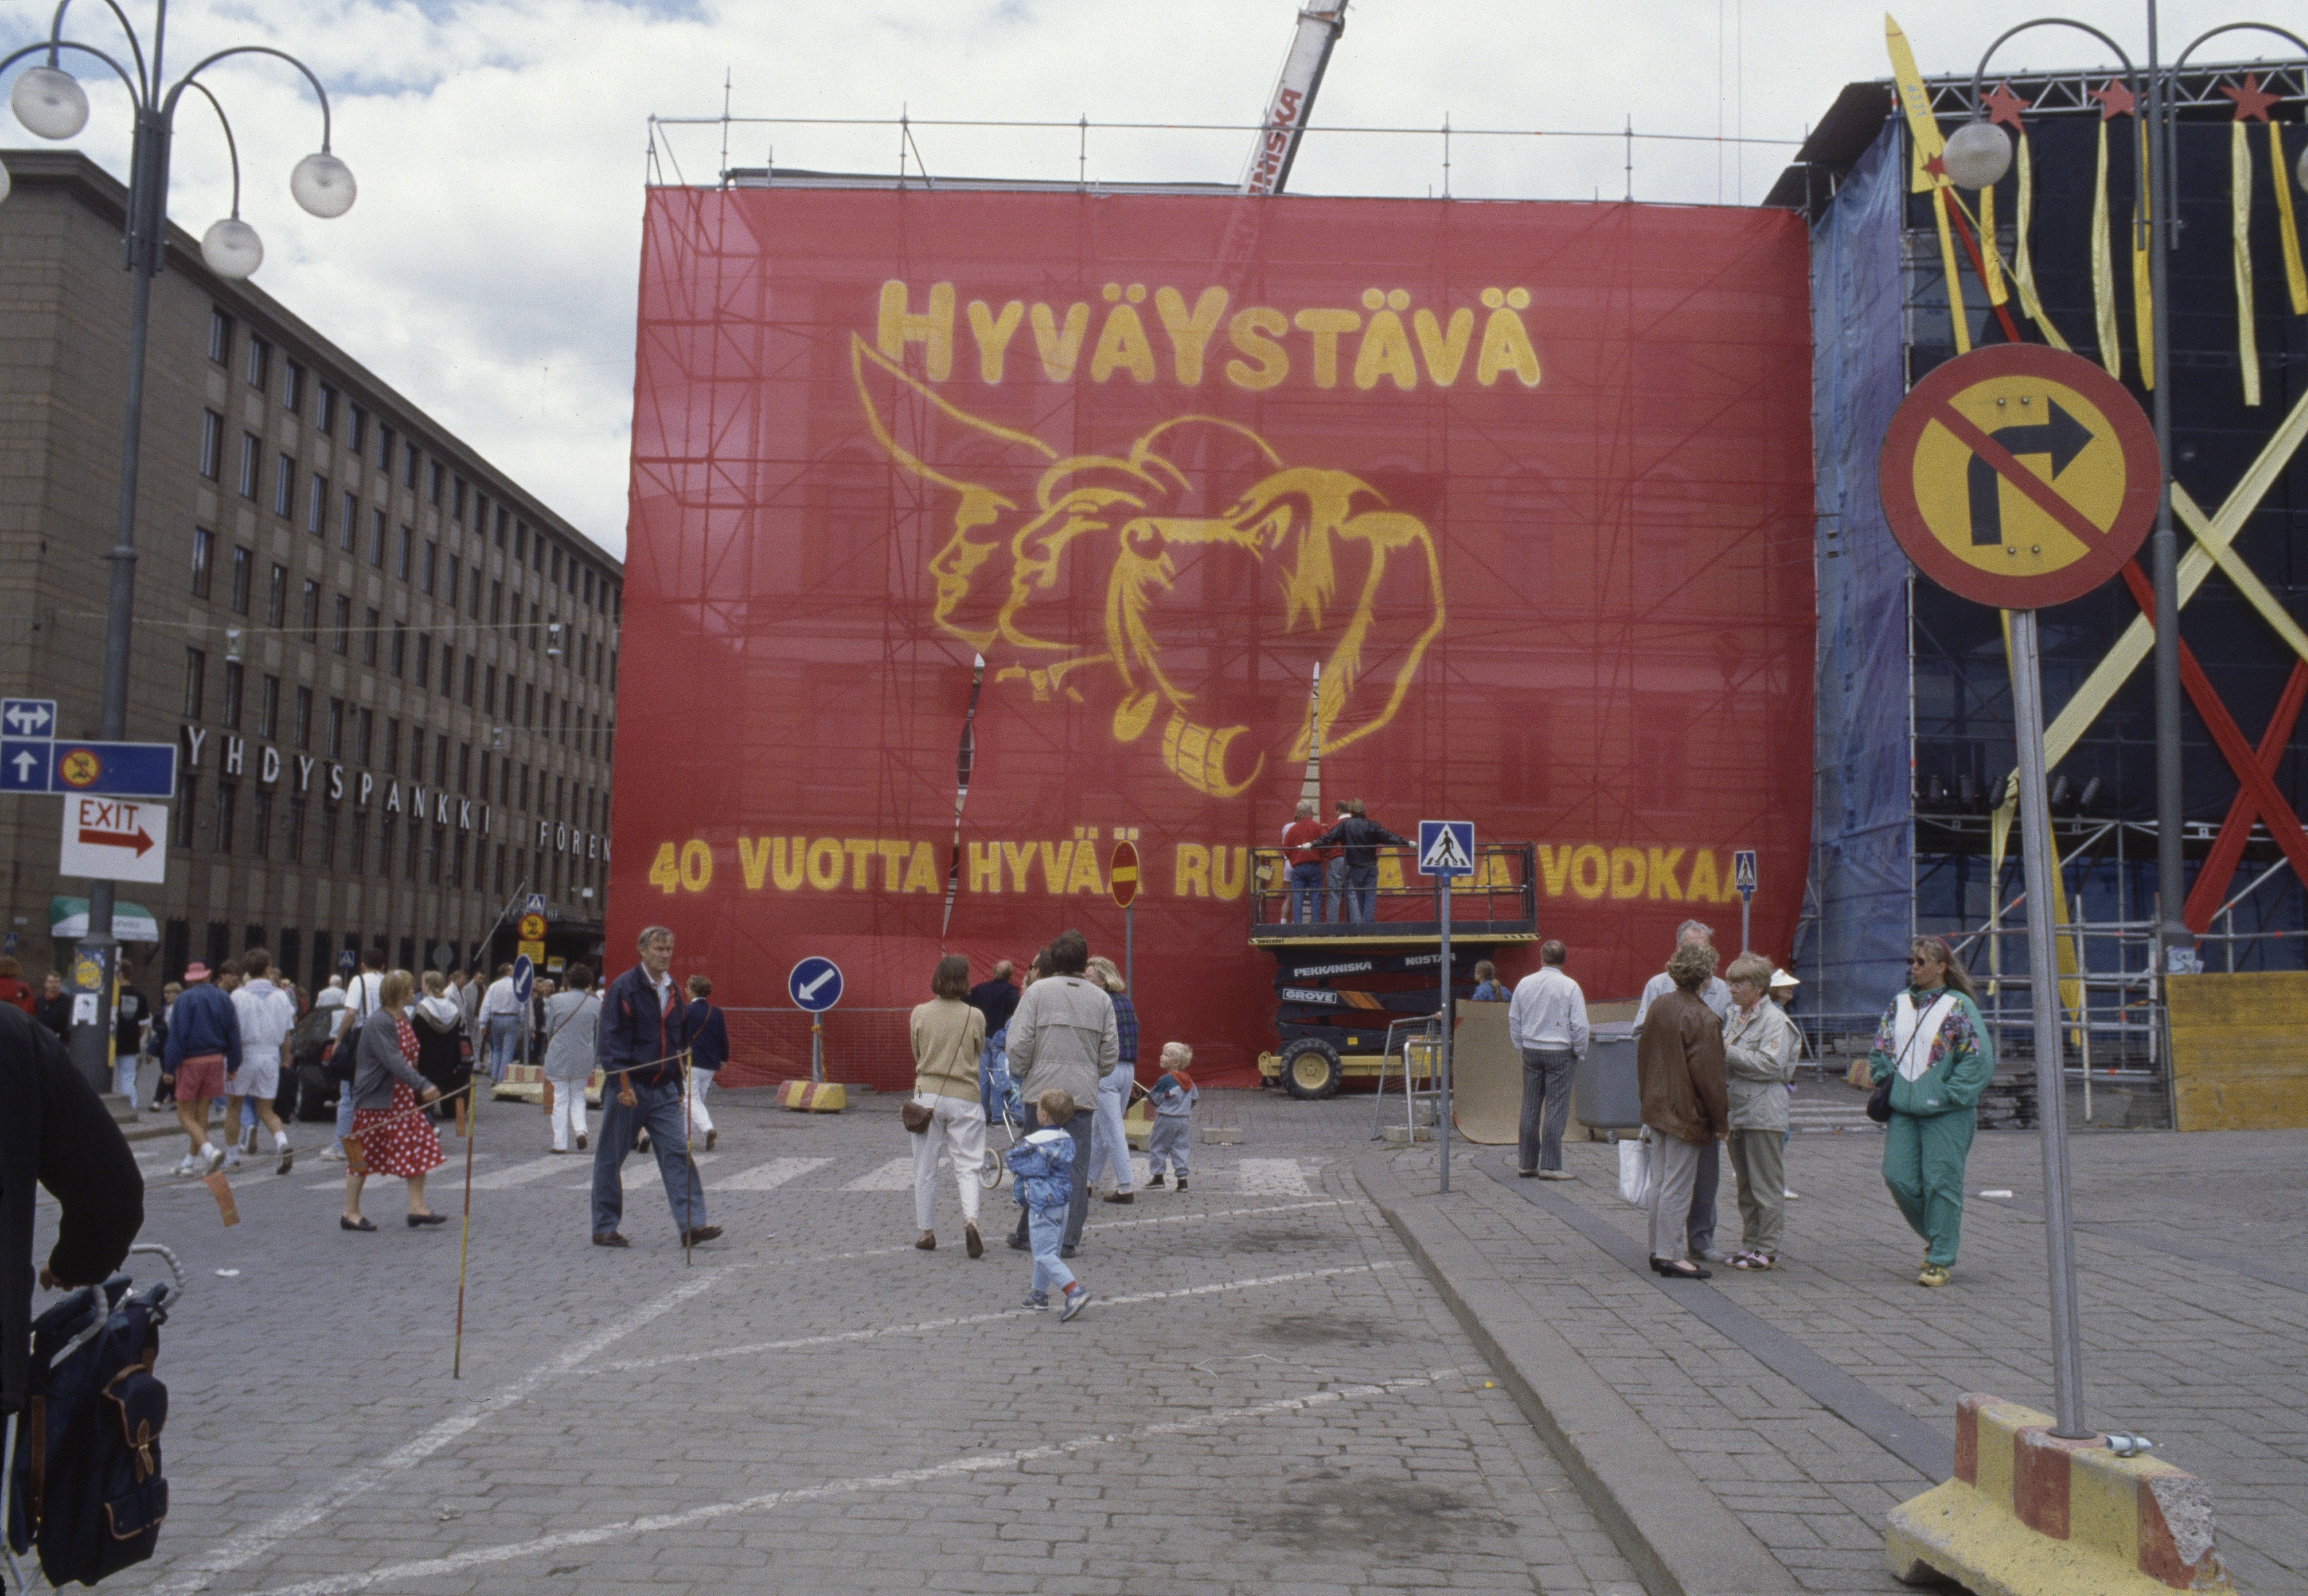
(813, 1097)
(2029, 1513)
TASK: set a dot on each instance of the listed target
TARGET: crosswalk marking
(897, 1175)
(769, 1176)
(520, 1174)
(1271, 1177)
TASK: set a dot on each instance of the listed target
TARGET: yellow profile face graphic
(1108, 580)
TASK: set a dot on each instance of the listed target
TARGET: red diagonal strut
(2242, 758)
(2219, 865)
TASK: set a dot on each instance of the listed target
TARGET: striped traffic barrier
(813, 1097)
(2032, 1514)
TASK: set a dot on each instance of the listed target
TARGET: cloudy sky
(501, 145)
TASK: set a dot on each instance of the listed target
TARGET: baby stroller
(998, 1095)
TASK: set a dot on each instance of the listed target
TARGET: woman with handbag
(393, 1136)
(945, 1114)
(1931, 1062)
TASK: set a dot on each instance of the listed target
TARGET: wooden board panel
(2240, 1050)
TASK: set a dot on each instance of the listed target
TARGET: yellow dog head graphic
(1127, 573)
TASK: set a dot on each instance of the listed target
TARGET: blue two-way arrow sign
(815, 984)
(28, 718)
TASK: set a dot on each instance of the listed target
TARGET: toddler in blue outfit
(1042, 1168)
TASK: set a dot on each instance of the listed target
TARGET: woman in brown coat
(1679, 1064)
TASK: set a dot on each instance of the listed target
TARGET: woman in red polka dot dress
(389, 1136)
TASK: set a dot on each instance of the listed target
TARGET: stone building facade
(390, 671)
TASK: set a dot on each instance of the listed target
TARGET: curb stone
(1680, 1539)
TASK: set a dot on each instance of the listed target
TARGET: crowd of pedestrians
(1054, 1064)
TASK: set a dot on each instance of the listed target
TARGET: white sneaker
(334, 1153)
(232, 1158)
(212, 1156)
(190, 1165)
(1788, 1191)
(247, 1139)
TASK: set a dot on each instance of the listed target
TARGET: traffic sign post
(1743, 877)
(814, 984)
(1122, 880)
(1446, 850)
(1987, 525)
(524, 982)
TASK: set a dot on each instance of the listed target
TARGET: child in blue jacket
(1042, 1167)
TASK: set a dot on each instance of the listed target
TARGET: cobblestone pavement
(2193, 1285)
(1266, 1396)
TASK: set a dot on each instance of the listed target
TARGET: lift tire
(1311, 1070)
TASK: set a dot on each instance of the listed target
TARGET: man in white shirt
(362, 997)
(1717, 995)
(267, 1015)
(1547, 1020)
(501, 1023)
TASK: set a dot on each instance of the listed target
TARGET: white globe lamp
(232, 249)
(1978, 153)
(48, 101)
(323, 185)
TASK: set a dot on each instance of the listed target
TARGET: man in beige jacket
(1063, 1035)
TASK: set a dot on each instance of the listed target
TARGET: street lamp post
(1978, 154)
(50, 103)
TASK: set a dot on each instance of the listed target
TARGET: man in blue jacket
(644, 1030)
(203, 1032)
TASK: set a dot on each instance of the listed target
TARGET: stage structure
(1915, 739)
(1529, 483)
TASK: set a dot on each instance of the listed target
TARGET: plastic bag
(1635, 1171)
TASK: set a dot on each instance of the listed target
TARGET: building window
(284, 486)
(386, 825)
(197, 678)
(316, 506)
(260, 840)
(252, 463)
(433, 484)
(328, 855)
(409, 458)
(448, 670)
(325, 418)
(401, 552)
(456, 862)
(211, 444)
(203, 561)
(233, 679)
(296, 837)
(366, 736)
(441, 760)
(267, 708)
(301, 733)
(458, 499)
(188, 803)
(432, 562)
(440, 845)
(392, 761)
(489, 692)
(349, 527)
(243, 563)
(376, 538)
(356, 439)
(227, 805)
(557, 562)
(496, 603)
(259, 362)
(412, 848)
(334, 747)
(292, 388)
(311, 613)
(369, 636)
(220, 337)
(520, 542)
(400, 649)
(276, 596)
(476, 600)
(465, 769)
(480, 513)
(469, 663)
(424, 658)
(456, 573)
(534, 627)
(344, 624)
(383, 447)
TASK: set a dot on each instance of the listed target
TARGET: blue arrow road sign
(28, 718)
(524, 979)
(24, 765)
(815, 984)
(115, 769)
(1446, 847)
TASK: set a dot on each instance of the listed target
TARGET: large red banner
(1530, 482)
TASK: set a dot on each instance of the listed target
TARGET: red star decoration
(1935, 167)
(2114, 101)
(2005, 106)
(2252, 101)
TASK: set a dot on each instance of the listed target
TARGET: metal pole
(1746, 909)
(2165, 546)
(2042, 985)
(1128, 947)
(1449, 1013)
(817, 1049)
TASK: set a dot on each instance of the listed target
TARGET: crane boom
(1319, 27)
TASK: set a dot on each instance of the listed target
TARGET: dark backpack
(86, 1489)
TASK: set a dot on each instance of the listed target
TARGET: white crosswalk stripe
(769, 1176)
(522, 1174)
(897, 1175)
(1271, 1177)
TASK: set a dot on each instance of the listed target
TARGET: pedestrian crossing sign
(1742, 871)
(1446, 847)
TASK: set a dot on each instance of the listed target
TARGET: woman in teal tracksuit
(1934, 1043)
